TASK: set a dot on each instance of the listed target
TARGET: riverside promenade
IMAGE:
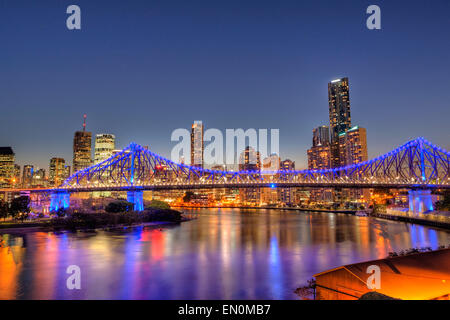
(439, 219)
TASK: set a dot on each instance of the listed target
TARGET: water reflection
(223, 254)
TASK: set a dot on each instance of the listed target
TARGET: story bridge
(418, 165)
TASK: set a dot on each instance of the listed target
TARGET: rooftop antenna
(84, 122)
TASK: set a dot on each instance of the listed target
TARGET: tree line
(18, 209)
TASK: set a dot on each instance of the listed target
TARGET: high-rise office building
(82, 145)
(57, 171)
(353, 146)
(319, 158)
(353, 150)
(7, 158)
(286, 195)
(249, 161)
(271, 163)
(27, 176)
(287, 165)
(16, 179)
(321, 136)
(66, 172)
(339, 113)
(39, 179)
(269, 196)
(197, 146)
(105, 144)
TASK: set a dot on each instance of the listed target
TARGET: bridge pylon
(59, 199)
(137, 198)
(420, 201)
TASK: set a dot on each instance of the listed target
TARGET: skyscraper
(7, 158)
(286, 195)
(27, 176)
(249, 161)
(82, 145)
(353, 150)
(321, 136)
(66, 172)
(16, 178)
(39, 179)
(353, 146)
(197, 146)
(339, 112)
(57, 172)
(319, 158)
(270, 164)
(104, 147)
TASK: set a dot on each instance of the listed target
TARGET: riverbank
(92, 221)
(415, 220)
(269, 208)
(426, 222)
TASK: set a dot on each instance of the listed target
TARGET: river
(221, 254)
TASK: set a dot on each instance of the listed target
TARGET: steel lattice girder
(415, 162)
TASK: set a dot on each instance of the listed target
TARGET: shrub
(161, 215)
(119, 206)
(157, 204)
(82, 220)
(20, 207)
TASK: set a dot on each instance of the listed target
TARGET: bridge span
(418, 166)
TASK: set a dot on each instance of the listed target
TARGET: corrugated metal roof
(415, 276)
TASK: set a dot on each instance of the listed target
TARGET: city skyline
(222, 85)
(224, 150)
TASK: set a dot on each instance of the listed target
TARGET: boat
(361, 213)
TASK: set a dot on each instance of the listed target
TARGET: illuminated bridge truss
(417, 164)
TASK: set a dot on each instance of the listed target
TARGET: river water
(222, 254)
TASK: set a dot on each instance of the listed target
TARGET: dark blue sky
(141, 69)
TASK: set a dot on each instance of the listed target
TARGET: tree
(444, 204)
(308, 291)
(119, 206)
(61, 212)
(188, 196)
(3, 209)
(20, 207)
(158, 204)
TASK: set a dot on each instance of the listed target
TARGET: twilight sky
(141, 69)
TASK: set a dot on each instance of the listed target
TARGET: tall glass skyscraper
(339, 111)
(27, 176)
(197, 146)
(57, 172)
(321, 136)
(82, 148)
(104, 147)
(7, 159)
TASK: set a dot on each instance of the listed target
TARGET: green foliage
(157, 204)
(81, 220)
(20, 207)
(119, 206)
